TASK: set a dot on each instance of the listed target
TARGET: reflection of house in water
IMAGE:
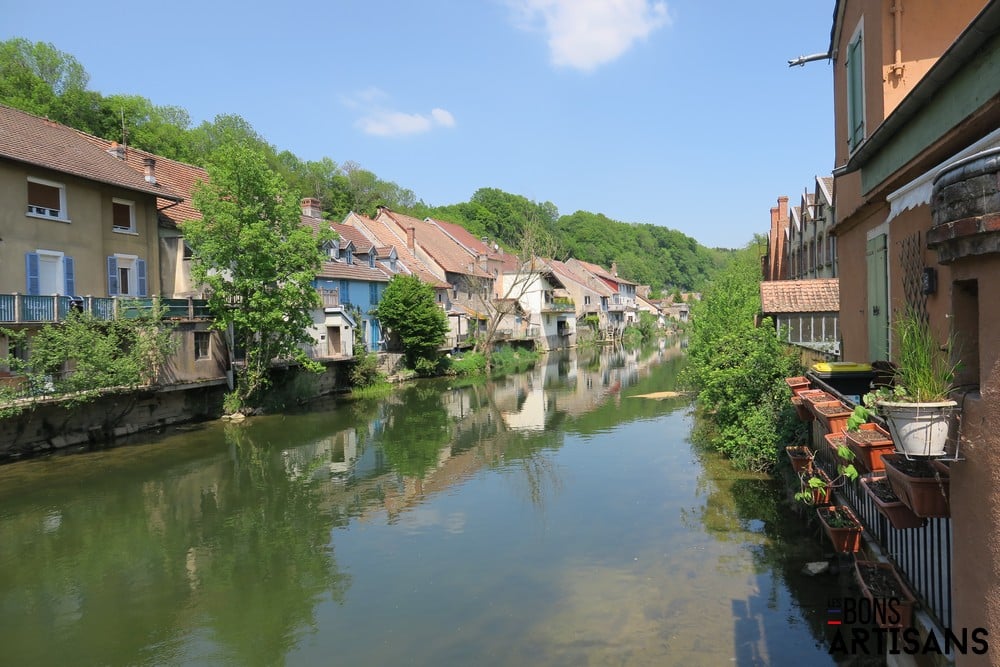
(330, 457)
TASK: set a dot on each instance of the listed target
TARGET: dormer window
(392, 264)
(332, 249)
(348, 256)
(46, 199)
(371, 260)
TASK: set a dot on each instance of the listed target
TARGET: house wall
(87, 237)
(975, 495)
(358, 294)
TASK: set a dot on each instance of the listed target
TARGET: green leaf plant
(812, 483)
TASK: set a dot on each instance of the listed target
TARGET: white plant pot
(918, 429)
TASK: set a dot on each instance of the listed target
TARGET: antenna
(124, 132)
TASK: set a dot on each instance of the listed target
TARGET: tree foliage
(408, 310)
(257, 259)
(738, 369)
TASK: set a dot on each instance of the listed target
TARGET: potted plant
(869, 442)
(888, 503)
(842, 527)
(816, 490)
(920, 484)
(917, 408)
(801, 457)
(892, 602)
(832, 414)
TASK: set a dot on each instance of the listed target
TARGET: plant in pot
(842, 527)
(817, 487)
(801, 457)
(892, 602)
(868, 441)
(888, 503)
(923, 485)
(917, 408)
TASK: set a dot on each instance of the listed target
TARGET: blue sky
(681, 113)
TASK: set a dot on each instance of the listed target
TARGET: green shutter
(855, 93)
(878, 299)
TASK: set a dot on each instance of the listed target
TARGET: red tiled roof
(601, 272)
(589, 281)
(445, 250)
(800, 296)
(178, 176)
(355, 271)
(45, 143)
(388, 235)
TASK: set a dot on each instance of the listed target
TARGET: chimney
(149, 169)
(117, 150)
(482, 259)
(411, 237)
(311, 207)
(777, 268)
(614, 269)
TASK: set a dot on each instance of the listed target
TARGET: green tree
(408, 310)
(258, 261)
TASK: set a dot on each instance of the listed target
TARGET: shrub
(364, 372)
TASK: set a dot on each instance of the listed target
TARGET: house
(917, 109)
(810, 247)
(83, 218)
(468, 274)
(350, 281)
(545, 311)
(804, 312)
(621, 306)
(590, 299)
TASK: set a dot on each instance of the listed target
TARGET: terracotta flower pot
(801, 409)
(869, 443)
(846, 538)
(798, 384)
(892, 602)
(922, 487)
(821, 496)
(832, 414)
(889, 505)
(801, 458)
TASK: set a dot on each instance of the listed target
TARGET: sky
(680, 113)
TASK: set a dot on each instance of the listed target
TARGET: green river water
(548, 518)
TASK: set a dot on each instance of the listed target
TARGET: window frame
(131, 229)
(199, 338)
(62, 215)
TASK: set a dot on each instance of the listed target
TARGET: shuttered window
(46, 199)
(855, 92)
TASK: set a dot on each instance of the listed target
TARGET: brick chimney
(117, 150)
(149, 169)
(777, 267)
(411, 237)
(311, 207)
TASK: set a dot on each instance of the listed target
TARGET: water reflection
(547, 517)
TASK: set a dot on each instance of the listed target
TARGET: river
(548, 518)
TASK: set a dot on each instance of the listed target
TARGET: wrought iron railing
(36, 309)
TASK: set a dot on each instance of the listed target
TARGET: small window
(202, 345)
(586, 300)
(123, 215)
(371, 259)
(46, 199)
(188, 252)
(349, 256)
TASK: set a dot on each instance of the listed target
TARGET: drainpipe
(897, 37)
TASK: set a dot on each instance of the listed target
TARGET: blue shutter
(31, 271)
(345, 294)
(69, 276)
(140, 269)
(112, 276)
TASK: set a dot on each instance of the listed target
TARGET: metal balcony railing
(35, 309)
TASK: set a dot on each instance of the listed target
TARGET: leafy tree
(408, 310)
(258, 261)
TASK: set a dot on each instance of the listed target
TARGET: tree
(258, 261)
(408, 310)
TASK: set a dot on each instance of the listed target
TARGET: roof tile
(800, 296)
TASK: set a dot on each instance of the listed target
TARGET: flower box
(832, 414)
(869, 443)
(922, 487)
(801, 458)
(842, 527)
(888, 503)
(798, 384)
(892, 602)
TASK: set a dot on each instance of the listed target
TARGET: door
(878, 299)
(333, 341)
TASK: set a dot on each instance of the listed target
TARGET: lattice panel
(912, 261)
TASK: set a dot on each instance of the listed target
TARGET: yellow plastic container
(850, 378)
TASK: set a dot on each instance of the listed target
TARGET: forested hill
(40, 79)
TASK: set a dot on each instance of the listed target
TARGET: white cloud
(380, 121)
(584, 34)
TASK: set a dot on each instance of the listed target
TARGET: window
(371, 259)
(333, 250)
(46, 199)
(202, 345)
(345, 293)
(586, 300)
(392, 265)
(123, 216)
(49, 272)
(188, 252)
(349, 256)
(373, 293)
(855, 90)
(126, 276)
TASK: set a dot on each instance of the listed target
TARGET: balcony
(34, 309)
(559, 305)
(329, 297)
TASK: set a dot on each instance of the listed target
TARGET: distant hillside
(40, 79)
